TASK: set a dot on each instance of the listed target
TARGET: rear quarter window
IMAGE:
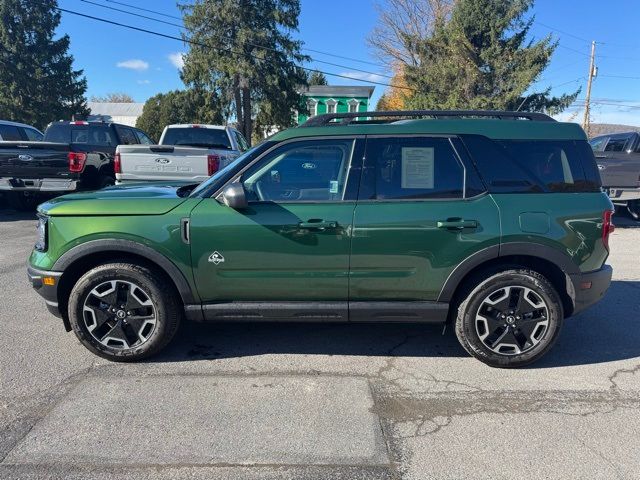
(511, 166)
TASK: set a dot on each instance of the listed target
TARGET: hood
(141, 199)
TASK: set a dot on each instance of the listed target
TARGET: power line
(172, 37)
(620, 76)
(321, 52)
(562, 31)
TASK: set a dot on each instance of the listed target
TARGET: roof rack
(348, 118)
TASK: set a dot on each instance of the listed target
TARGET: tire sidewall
(166, 321)
(466, 327)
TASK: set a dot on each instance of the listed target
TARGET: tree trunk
(248, 123)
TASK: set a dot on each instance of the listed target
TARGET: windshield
(197, 137)
(219, 178)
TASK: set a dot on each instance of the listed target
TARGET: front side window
(411, 168)
(301, 172)
(33, 135)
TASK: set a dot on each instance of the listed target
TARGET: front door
(421, 211)
(292, 243)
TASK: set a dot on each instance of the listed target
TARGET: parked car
(74, 155)
(618, 158)
(10, 131)
(190, 153)
(492, 221)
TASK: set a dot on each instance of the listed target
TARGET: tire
(147, 323)
(22, 201)
(633, 208)
(531, 330)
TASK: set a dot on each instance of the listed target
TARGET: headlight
(41, 242)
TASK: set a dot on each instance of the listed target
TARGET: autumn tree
(244, 52)
(38, 83)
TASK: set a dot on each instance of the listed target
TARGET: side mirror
(235, 197)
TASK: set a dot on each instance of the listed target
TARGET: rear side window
(408, 168)
(198, 137)
(510, 166)
(127, 137)
(616, 144)
(143, 138)
(10, 133)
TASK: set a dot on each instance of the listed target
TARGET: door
(618, 164)
(292, 243)
(421, 211)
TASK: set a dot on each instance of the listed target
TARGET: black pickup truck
(76, 155)
(618, 158)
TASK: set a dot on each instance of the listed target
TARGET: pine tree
(243, 51)
(317, 78)
(37, 81)
(178, 106)
(481, 59)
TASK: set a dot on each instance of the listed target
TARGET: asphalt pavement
(296, 401)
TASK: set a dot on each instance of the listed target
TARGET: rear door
(618, 165)
(421, 211)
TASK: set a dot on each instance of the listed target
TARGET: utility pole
(587, 104)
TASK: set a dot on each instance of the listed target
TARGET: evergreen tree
(178, 106)
(243, 51)
(481, 59)
(37, 81)
(317, 78)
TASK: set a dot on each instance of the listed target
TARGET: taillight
(213, 163)
(76, 161)
(117, 164)
(607, 227)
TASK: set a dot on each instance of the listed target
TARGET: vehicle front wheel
(124, 312)
(510, 319)
(633, 207)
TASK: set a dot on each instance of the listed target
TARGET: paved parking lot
(298, 401)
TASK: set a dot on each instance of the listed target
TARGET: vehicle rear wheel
(633, 207)
(124, 312)
(510, 319)
(106, 181)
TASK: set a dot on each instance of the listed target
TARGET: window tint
(510, 166)
(597, 144)
(411, 168)
(127, 137)
(92, 134)
(301, 171)
(33, 135)
(198, 137)
(616, 144)
(143, 138)
(10, 133)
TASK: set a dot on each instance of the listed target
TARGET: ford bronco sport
(492, 221)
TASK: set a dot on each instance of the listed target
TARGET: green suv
(492, 221)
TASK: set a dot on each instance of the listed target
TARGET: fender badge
(216, 258)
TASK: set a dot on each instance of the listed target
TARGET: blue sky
(117, 59)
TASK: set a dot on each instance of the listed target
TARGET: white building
(125, 113)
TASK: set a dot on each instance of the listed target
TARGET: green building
(335, 99)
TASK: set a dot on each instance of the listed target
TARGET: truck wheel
(633, 207)
(124, 312)
(23, 201)
(106, 182)
(510, 319)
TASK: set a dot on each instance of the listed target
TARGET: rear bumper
(590, 287)
(46, 291)
(38, 184)
(623, 194)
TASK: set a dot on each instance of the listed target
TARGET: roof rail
(348, 118)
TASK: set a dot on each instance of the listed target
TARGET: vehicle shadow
(9, 215)
(607, 332)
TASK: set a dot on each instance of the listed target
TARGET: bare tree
(401, 23)
(114, 97)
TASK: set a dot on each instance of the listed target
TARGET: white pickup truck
(190, 153)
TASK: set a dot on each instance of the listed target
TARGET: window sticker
(333, 186)
(417, 167)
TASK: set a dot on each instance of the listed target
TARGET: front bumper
(46, 290)
(38, 184)
(590, 287)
